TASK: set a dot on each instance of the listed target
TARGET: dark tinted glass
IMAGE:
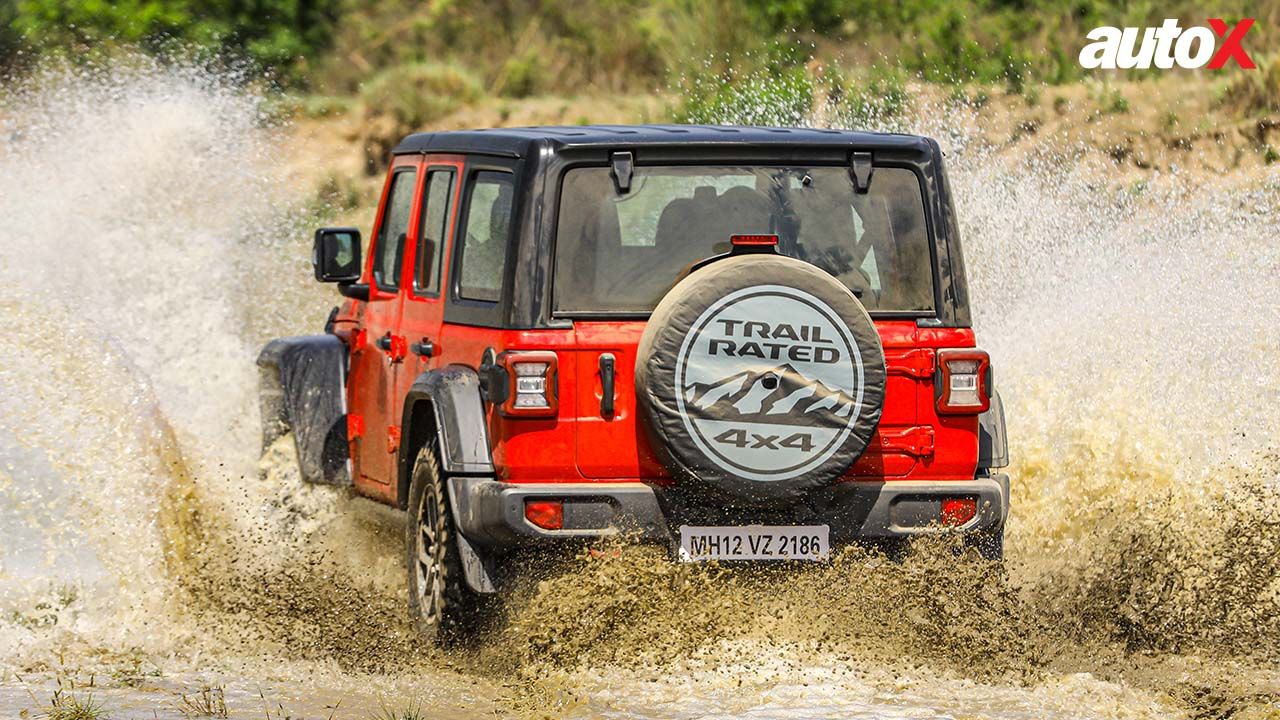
(622, 252)
(395, 226)
(487, 235)
(435, 223)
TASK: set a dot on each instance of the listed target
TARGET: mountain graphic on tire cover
(778, 395)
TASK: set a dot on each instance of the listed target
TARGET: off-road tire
(444, 610)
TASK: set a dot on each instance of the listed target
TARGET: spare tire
(759, 378)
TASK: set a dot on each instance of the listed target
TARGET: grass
(280, 713)
(1254, 92)
(864, 98)
(210, 702)
(778, 97)
(412, 711)
(65, 705)
(1113, 102)
(421, 93)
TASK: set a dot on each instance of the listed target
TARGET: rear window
(622, 252)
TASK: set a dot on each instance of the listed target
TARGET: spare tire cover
(759, 377)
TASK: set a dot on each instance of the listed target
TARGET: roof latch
(621, 164)
(860, 169)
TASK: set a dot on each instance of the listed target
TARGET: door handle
(425, 348)
(393, 345)
(607, 378)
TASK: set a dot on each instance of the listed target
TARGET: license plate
(754, 542)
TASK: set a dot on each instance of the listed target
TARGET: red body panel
(581, 444)
(914, 442)
(375, 371)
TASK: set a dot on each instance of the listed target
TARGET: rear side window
(435, 223)
(394, 229)
(486, 236)
(622, 252)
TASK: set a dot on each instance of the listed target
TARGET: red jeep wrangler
(743, 343)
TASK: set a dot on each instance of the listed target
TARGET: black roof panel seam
(518, 142)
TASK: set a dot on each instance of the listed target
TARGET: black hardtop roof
(521, 142)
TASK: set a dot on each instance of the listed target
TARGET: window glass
(487, 230)
(622, 252)
(392, 233)
(435, 223)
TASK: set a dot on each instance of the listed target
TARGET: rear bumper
(491, 513)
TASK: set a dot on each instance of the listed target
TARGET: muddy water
(148, 552)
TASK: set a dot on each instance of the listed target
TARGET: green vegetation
(422, 92)
(1254, 93)
(65, 705)
(277, 35)
(210, 702)
(767, 61)
(523, 47)
(413, 711)
(780, 96)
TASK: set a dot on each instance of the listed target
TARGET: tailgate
(615, 446)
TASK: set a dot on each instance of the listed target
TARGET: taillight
(533, 390)
(957, 511)
(963, 382)
(546, 514)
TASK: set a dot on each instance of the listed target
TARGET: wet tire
(444, 610)
(759, 378)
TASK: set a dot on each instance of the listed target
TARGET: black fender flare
(456, 422)
(993, 443)
(302, 389)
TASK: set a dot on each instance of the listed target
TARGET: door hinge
(917, 441)
(916, 363)
(621, 166)
(861, 166)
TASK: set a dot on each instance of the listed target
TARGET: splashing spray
(154, 246)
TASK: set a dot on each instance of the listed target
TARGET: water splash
(1133, 330)
(142, 204)
(154, 246)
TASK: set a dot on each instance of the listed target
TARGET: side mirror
(336, 255)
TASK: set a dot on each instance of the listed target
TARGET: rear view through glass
(620, 252)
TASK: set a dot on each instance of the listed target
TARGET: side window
(435, 223)
(393, 231)
(487, 231)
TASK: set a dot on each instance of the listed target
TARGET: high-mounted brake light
(962, 385)
(753, 240)
(533, 391)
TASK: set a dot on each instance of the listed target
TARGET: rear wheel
(443, 608)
